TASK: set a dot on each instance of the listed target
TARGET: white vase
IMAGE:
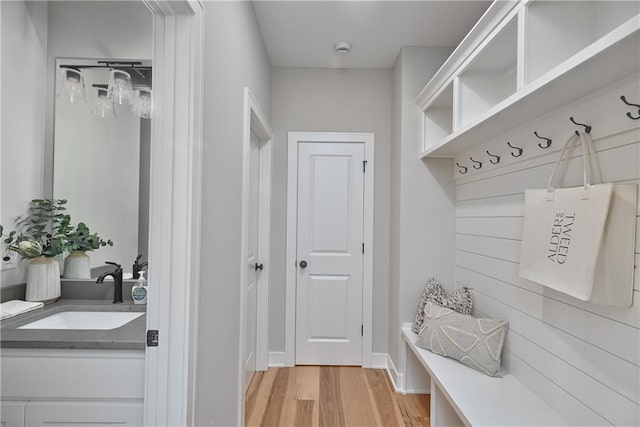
(77, 266)
(43, 280)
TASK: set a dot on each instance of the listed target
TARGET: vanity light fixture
(71, 86)
(142, 104)
(129, 83)
(342, 48)
(120, 87)
(103, 106)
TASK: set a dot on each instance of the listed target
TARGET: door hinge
(363, 248)
(361, 330)
(364, 166)
(152, 338)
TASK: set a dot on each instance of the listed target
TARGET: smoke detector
(343, 48)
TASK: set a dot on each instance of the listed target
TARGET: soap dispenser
(139, 290)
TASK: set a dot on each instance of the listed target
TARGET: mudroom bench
(462, 396)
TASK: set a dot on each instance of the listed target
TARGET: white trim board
(379, 360)
(397, 378)
(256, 122)
(368, 139)
(276, 359)
(174, 211)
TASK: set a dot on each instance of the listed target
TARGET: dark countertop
(130, 336)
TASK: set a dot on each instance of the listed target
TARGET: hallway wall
(340, 100)
(235, 57)
(24, 56)
(423, 196)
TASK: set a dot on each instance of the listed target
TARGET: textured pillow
(461, 301)
(432, 291)
(474, 342)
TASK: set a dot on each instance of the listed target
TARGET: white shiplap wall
(583, 359)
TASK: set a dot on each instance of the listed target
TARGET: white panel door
(253, 262)
(12, 414)
(329, 254)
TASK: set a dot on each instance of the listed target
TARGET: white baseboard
(383, 361)
(379, 360)
(417, 391)
(397, 379)
(276, 359)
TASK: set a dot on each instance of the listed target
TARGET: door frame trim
(175, 208)
(368, 139)
(255, 120)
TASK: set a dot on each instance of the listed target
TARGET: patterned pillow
(474, 342)
(432, 291)
(461, 301)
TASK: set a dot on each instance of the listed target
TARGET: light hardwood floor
(330, 396)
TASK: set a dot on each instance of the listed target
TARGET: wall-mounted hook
(548, 141)
(520, 150)
(463, 169)
(476, 164)
(495, 159)
(587, 128)
(631, 105)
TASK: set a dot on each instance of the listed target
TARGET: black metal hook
(631, 105)
(495, 160)
(477, 164)
(520, 150)
(587, 128)
(463, 169)
(543, 138)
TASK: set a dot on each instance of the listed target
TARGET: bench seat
(477, 399)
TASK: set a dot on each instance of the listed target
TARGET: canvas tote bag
(613, 282)
(564, 228)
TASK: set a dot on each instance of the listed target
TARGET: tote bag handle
(565, 155)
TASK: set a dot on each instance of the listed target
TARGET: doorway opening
(254, 276)
(329, 273)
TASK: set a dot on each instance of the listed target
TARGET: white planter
(43, 280)
(77, 266)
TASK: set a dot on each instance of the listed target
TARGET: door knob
(303, 264)
(259, 266)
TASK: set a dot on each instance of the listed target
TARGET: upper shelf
(524, 89)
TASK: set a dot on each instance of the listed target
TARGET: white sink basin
(84, 320)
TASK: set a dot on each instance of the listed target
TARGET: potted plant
(41, 236)
(80, 241)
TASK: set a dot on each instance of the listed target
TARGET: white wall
(23, 57)
(235, 57)
(582, 358)
(313, 99)
(98, 30)
(422, 197)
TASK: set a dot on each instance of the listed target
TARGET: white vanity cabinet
(67, 386)
(82, 413)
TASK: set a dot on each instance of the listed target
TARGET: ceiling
(303, 33)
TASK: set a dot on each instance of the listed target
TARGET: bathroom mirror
(101, 156)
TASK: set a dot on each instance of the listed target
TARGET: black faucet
(138, 266)
(117, 281)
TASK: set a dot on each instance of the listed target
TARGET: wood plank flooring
(331, 396)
